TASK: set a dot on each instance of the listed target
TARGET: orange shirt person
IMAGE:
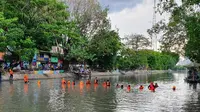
(141, 87)
(104, 84)
(88, 82)
(63, 81)
(25, 78)
(11, 74)
(68, 82)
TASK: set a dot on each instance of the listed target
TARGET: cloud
(118, 5)
(135, 19)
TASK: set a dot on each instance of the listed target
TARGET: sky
(131, 16)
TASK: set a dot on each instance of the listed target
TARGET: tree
(137, 41)
(173, 38)
(105, 45)
(12, 39)
(184, 18)
(89, 15)
(42, 24)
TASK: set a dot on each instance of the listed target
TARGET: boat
(192, 80)
(82, 74)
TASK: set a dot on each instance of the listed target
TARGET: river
(52, 96)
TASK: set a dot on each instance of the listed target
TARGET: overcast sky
(130, 16)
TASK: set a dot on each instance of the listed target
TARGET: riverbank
(33, 76)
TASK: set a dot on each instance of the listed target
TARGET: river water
(52, 96)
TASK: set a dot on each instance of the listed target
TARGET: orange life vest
(11, 72)
(88, 82)
(25, 78)
(63, 81)
(141, 87)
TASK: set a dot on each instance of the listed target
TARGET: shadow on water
(193, 100)
(193, 85)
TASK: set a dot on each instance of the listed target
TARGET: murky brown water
(52, 96)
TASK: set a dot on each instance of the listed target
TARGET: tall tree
(12, 39)
(89, 15)
(175, 33)
(42, 24)
(105, 45)
(137, 41)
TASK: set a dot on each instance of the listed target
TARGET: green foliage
(193, 29)
(105, 46)
(12, 36)
(40, 25)
(182, 31)
(146, 59)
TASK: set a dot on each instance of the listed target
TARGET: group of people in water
(88, 82)
(107, 83)
(193, 74)
(151, 87)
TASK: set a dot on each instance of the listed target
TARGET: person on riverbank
(25, 78)
(96, 81)
(0, 73)
(11, 74)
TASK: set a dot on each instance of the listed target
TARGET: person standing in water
(108, 83)
(151, 87)
(25, 78)
(96, 81)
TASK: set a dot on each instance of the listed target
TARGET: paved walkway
(31, 76)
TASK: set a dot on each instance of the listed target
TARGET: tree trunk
(66, 65)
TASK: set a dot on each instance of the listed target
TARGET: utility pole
(154, 36)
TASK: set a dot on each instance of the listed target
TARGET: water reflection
(52, 96)
(25, 88)
(193, 85)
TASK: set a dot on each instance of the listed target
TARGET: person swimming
(151, 87)
(141, 87)
(174, 88)
(156, 85)
(117, 85)
(122, 86)
(129, 87)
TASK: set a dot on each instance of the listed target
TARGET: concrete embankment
(33, 76)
